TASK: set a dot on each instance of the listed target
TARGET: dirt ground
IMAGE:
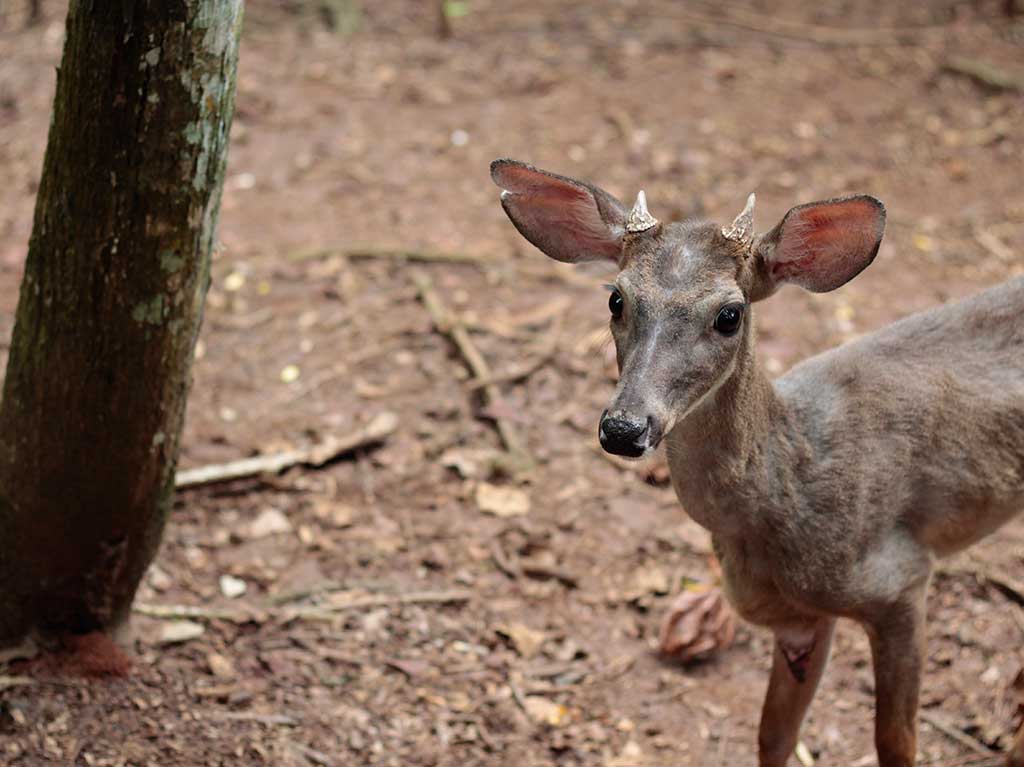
(386, 619)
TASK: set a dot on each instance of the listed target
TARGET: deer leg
(796, 671)
(1015, 757)
(898, 649)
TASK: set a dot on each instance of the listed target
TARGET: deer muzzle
(627, 434)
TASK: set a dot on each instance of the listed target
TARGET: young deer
(830, 492)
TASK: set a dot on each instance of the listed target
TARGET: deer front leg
(796, 671)
(898, 649)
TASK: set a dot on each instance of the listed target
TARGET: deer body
(838, 485)
(830, 492)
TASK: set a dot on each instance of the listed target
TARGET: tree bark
(110, 306)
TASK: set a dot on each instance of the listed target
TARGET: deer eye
(729, 318)
(615, 304)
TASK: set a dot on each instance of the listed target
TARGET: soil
(526, 639)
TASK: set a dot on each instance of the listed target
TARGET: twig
(311, 754)
(341, 603)
(994, 245)
(953, 733)
(984, 73)
(541, 570)
(393, 254)
(179, 612)
(789, 29)
(354, 602)
(516, 374)
(245, 716)
(501, 559)
(1012, 589)
(517, 694)
(457, 333)
(15, 681)
(316, 456)
(968, 760)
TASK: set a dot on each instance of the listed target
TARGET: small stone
(234, 282)
(176, 632)
(232, 587)
(158, 579)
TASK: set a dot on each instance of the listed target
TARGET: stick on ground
(447, 324)
(393, 254)
(316, 456)
(953, 733)
(984, 73)
(339, 602)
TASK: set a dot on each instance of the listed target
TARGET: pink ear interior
(558, 215)
(825, 244)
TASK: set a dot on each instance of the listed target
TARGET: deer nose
(624, 434)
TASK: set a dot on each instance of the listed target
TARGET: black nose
(624, 434)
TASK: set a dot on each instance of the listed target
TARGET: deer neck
(736, 451)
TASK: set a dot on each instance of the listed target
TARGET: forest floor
(387, 618)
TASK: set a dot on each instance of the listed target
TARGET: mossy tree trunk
(110, 307)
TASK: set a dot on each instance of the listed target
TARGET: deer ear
(821, 245)
(567, 219)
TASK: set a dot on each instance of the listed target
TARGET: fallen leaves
(232, 587)
(699, 623)
(501, 501)
(220, 666)
(270, 521)
(526, 641)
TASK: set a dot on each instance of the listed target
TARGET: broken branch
(448, 325)
(316, 455)
(340, 603)
(984, 73)
(279, 720)
(394, 254)
(953, 733)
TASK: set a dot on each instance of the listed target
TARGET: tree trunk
(110, 307)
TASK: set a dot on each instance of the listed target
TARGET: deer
(831, 491)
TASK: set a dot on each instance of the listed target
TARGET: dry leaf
(411, 667)
(220, 666)
(334, 514)
(630, 756)
(699, 623)
(269, 522)
(525, 640)
(545, 711)
(469, 464)
(501, 501)
(923, 242)
(649, 580)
